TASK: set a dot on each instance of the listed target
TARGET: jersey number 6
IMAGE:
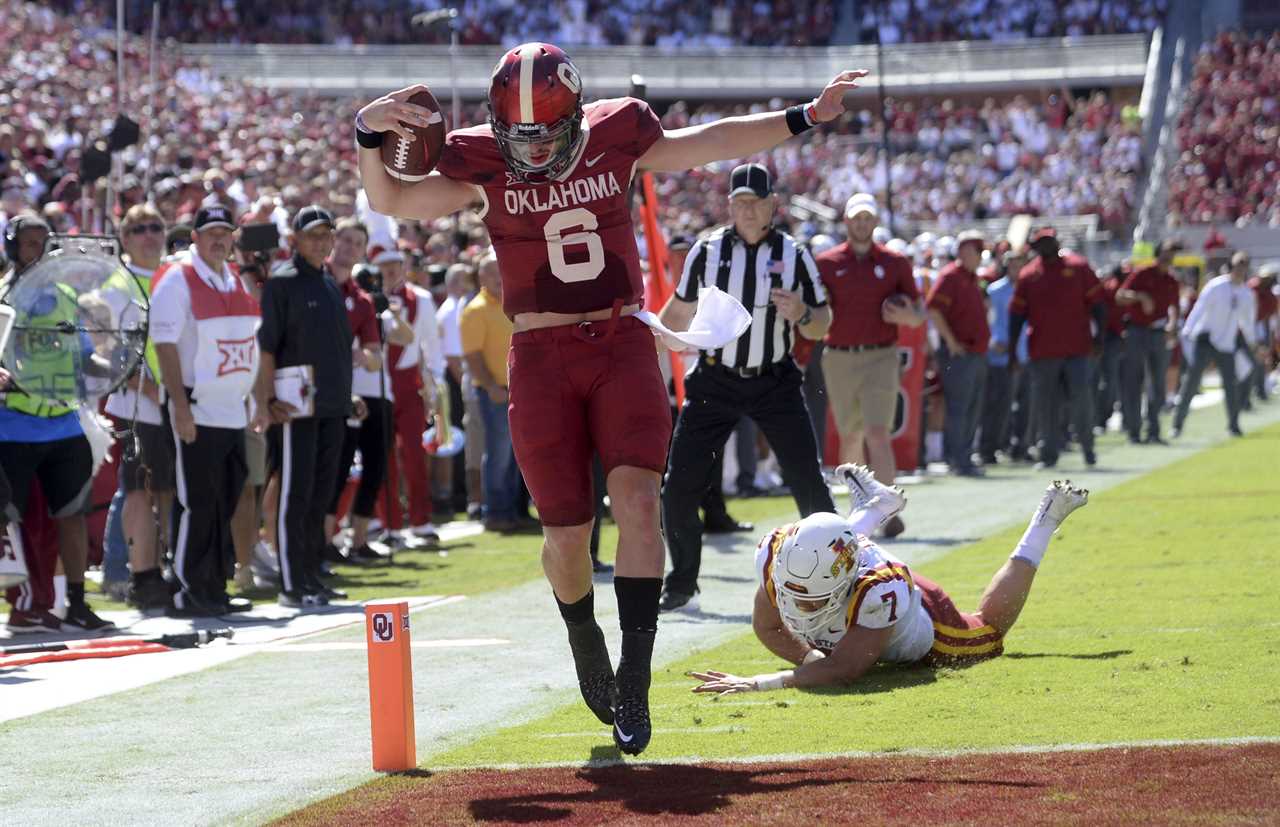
(557, 241)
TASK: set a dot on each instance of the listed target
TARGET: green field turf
(1153, 617)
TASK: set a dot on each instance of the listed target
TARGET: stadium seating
(954, 161)
(667, 23)
(1228, 134)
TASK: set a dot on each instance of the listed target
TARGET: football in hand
(410, 160)
(898, 301)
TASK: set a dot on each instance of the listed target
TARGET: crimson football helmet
(535, 110)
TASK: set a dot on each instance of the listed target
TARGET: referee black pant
(715, 399)
(310, 449)
(209, 474)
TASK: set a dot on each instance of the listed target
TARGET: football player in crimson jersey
(835, 603)
(549, 175)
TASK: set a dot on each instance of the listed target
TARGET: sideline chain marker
(390, 686)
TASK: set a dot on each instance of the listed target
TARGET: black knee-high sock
(580, 611)
(638, 617)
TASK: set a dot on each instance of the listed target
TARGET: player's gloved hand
(391, 112)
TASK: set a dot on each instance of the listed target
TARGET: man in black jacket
(304, 322)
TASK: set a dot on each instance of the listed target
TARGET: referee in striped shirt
(777, 281)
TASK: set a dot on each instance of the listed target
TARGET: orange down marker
(390, 686)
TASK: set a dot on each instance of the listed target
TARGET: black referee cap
(312, 216)
(750, 179)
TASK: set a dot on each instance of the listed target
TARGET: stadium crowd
(1229, 134)
(664, 23)
(920, 21)
(263, 158)
(954, 161)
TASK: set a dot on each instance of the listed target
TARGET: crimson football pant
(210, 474)
(577, 390)
(409, 416)
(310, 448)
(39, 538)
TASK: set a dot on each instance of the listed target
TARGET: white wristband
(814, 654)
(768, 683)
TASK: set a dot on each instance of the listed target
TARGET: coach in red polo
(1055, 297)
(860, 360)
(1151, 297)
(959, 314)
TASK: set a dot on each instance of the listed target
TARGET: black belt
(744, 373)
(859, 348)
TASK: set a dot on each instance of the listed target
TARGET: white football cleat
(865, 491)
(1059, 500)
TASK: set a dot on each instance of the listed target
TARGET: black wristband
(367, 139)
(796, 121)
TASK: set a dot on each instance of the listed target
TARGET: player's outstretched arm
(426, 200)
(857, 652)
(738, 137)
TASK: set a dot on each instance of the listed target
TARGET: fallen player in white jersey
(834, 603)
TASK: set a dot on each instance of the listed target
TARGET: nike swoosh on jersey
(592, 161)
(622, 736)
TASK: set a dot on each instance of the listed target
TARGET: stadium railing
(745, 73)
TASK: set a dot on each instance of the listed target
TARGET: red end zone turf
(1148, 785)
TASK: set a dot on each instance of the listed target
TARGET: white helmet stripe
(528, 55)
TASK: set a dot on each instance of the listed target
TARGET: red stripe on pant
(409, 414)
(40, 549)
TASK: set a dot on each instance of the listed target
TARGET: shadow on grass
(1110, 654)
(944, 542)
(883, 677)
(684, 789)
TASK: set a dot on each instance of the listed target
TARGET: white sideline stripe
(1029, 749)
(49, 686)
(338, 646)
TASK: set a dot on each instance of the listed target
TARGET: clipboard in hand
(295, 385)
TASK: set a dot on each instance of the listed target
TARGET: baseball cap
(680, 241)
(967, 236)
(750, 179)
(312, 216)
(1043, 232)
(213, 216)
(379, 254)
(859, 203)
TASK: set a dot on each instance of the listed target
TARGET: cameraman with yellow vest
(42, 441)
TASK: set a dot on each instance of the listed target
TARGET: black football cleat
(595, 670)
(631, 725)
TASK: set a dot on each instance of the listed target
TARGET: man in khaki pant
(860, 361)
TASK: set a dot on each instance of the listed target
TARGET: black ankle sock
(75, 593)
(580, 611)
(638, 603)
